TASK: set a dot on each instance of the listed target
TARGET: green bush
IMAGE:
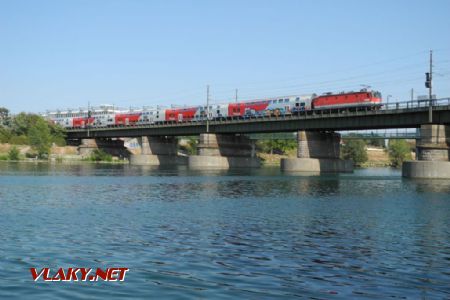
(19, 140)
(399, 151)
(13, 153)
(355, 150)
(58, 141)
(4, 157)
(100, 155)
(190, 147)
(31, 155)
(276, 146)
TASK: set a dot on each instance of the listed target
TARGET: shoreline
(123, 162)
(378, 158)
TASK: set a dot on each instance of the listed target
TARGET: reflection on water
(256, 234)
(432, 185)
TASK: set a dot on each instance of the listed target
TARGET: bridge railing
(417, 103)
(381, 135)
(359, 134)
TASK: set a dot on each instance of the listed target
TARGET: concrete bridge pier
(432, 152)
(317, 152)
(115, 147)
(158, 150)
(224, 151)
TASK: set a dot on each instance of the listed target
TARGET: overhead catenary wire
(390, 75)
(310, 75)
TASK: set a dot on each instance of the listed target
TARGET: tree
(5, 135)
(58, 134)
(4, 116)
(355, 150)
(40, 138)
(399, 151)
(23, 122)
(32, 129)
(376, 142)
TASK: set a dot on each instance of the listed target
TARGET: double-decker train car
(252, 108)
(71, 119)
(151, 116)
(127, 118)
(272, 106)
(81, 118)
(182, 114)
(106, 115)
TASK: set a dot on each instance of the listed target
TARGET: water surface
(246, 234)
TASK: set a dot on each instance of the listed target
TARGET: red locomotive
(363, 98)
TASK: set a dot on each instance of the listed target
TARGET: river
(247, 234)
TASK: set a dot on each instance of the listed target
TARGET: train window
(280, 101)
(297, 99)
(286, 100)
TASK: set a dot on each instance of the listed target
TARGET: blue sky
(59, 54)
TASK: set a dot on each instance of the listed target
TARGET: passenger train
(108, 116)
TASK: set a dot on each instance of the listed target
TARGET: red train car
(126, 118)
(362, 98)
(82, 122)
(181, 114)
(247, 108)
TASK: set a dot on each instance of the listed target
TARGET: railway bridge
(224, 143)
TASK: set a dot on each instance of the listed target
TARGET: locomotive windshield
(377, 94)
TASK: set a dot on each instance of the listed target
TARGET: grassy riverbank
(377, 157)
(57, 154)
